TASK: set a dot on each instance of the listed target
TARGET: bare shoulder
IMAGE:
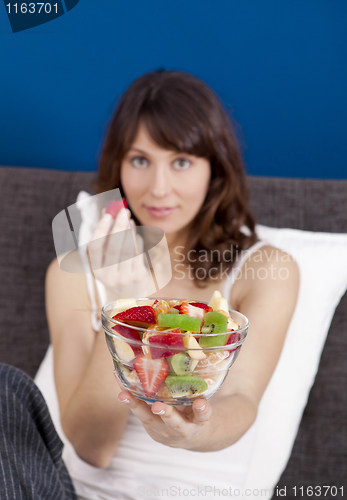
(70, 329)
(267, 270)
(70, 285)
(66, 298)
(266, 293)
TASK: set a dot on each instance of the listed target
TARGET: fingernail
(107, 218)
(161, 412)
(126, 401)
(123, 215)
(200, 408)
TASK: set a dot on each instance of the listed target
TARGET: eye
(182, 164)
(139, 162)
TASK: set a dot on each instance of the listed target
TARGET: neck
(176, 241)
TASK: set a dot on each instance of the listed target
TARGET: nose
(161, 184)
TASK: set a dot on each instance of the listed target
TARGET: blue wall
(280, 66)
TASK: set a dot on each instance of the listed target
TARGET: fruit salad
(173, 350)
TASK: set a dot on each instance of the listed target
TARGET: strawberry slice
(141, 316)
(191, 310)
(168, 339)
(130, 334)
(151, 372)
(202, 306)
(232, 339)
(115, 206)
(195, 304)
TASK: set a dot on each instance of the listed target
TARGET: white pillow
(322, 260)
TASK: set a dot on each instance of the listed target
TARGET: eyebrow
(145, 153)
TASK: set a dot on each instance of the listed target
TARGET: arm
(92, 417)
(269, 304)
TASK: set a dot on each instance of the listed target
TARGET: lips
(160, 211)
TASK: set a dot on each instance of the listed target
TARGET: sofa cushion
(29, 199)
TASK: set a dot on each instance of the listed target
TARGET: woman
(171, 150)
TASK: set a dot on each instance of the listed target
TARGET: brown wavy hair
(183, 114)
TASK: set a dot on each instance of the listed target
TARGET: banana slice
(121, 305)
(218, 302)
(190, 342)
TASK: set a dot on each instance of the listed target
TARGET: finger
(140, 409)
(121, 222)
(201, 411)
(97, 241)
(138, 239)
(128, 247)
(139, 268)
(124, 396)
(133, 279)
(133, 233)
(140, 272)
(103, 227)
(125, 278)
(114, 242)
(171, 417)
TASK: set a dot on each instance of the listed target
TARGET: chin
(169, 227)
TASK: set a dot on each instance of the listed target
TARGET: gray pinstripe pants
(31, 467)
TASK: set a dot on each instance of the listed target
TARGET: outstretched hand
(111, 252)
(178, 427)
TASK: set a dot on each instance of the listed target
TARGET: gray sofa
(29, 200)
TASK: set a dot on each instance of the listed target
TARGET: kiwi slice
(189, 323)
(169, 320)
(214, 322)
(182, 321)
(183, 364)
(185, 385)
(171, 370)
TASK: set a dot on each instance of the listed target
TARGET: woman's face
(164, 188)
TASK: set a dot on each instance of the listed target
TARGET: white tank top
(141, 467)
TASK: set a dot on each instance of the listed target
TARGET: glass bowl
(156, 364)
